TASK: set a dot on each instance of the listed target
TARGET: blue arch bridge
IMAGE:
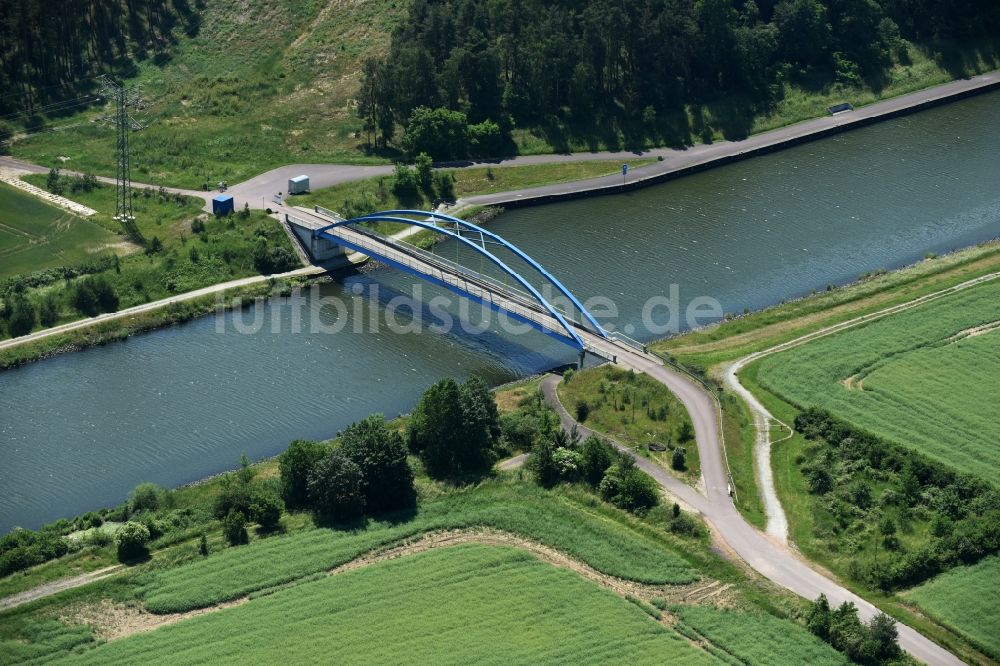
(324, 230)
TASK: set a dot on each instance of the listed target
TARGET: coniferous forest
(51, 52)
(635, 65)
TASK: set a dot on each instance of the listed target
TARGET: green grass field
(965, 599)
(762, 640)
(622, 405)
(35, 235)
(459, 605)
(925, 377)
(586, 533)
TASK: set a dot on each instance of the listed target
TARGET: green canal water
(79, 430)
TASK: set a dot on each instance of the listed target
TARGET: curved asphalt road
(769, 557)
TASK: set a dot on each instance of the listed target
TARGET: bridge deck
(441, 271)
(464, 281)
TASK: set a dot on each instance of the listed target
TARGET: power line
(124, 99)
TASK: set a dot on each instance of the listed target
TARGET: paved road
(259, 190)
(679, 161)
(777, 525)
(767, 556)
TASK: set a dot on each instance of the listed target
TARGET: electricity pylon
(124, 98)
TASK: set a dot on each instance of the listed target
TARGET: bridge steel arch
(517, 251)
(392, 216)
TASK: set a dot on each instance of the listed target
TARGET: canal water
(79, 430)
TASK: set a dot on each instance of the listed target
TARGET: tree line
(468, 71)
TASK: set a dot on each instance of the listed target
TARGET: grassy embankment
(263, 84)
(810, 525)
(36, 235)
(635, 410)
(376, 193)
(190, 251)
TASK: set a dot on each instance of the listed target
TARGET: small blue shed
(223, 204)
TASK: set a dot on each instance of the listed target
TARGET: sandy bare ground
(56, 586)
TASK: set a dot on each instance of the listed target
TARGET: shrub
(22, 316)
(567, 463)
(596, 457)
(440, 132)
(265, 508)
(582, 410)
(130, 540)
(94, 294)
(335, 488)
(677, 459)
(444, 185)
(295, 465)
(425, 172)
(203, 545)
(453, 428)
(234, 528)
(381, 455)
(145, 497)
(404, 182)
(628, 488)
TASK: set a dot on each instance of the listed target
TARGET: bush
(235, 493)
(381, 455)
(21, 319)
(444, 185)
(567, 463)
(596, 457)
(295, 465)
(335, 488)
(265, 508)
(425, 172)
(145, 497)
(94, 294)
(453, 428)
(677, 459)
(404, 183)
(440, 132)
(582, 410)
(628, 488)
(234, 528)
(130, 540)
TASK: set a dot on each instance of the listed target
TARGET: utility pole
(124, 123)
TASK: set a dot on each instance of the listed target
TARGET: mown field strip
(966, 600)
(606, 546)
(466, 604)
(910, 378)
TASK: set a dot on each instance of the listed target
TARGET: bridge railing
(525, 299)
(460, 280)
(627, 341)
(329, 213)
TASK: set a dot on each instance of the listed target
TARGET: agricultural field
(965, 599)
(755, 638)
(527, 510)
(35, 235)
(634, 409)
(463, 604)
(925, 377)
